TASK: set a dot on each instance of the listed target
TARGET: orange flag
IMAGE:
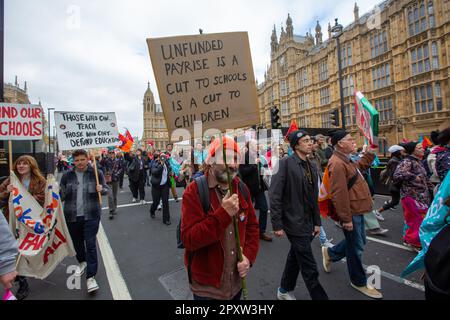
(292, 128)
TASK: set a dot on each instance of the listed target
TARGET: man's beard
(222, 176)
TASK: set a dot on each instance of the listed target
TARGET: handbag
(108, 178)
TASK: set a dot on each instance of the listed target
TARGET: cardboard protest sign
(206, 78)
(21, 121)
(44, 240)
(366, 118)
(86, 130)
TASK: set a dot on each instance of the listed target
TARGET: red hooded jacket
(203, 234)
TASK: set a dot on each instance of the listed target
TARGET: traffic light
(334, 116)
(275, 118)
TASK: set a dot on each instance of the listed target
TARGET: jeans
(322, 236)
(352, 248)
(235, 298)
(300, 258)
(112, 195)
(84, 236)
(261, 205)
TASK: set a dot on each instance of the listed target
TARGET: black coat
(251, 176)
(157, 170)
(287, 203)
(133, 169)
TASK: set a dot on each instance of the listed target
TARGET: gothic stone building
(398, 56)
(154, 122)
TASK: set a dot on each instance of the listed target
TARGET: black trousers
(138, 187)
(121, 180)
(300, 258)
(158, 193)
(395, 194)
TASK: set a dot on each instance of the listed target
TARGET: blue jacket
(68, 191)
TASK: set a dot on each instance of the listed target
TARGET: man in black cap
(294, 208)
(351, 199)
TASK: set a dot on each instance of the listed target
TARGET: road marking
(138, 204)
(395, 245)
(116, 281)
(395, 278)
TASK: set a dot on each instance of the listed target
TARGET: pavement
(139, 260)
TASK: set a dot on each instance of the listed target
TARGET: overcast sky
(81, 55)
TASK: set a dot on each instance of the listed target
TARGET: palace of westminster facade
(398, 56)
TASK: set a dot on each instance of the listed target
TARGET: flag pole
(10, 155)
(235, 221)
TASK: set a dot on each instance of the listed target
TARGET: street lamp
(49, 128)
(336, 32)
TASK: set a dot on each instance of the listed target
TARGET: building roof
(300, 39)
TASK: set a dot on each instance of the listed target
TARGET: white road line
(395, 245)
(395, 278)
(137, 204)
(116, 281)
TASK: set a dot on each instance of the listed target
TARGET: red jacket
(204, 234)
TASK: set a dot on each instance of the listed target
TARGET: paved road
(139, 260)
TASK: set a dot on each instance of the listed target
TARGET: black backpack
(203, 191)
(437, 265)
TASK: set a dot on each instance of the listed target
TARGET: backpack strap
(243, 190)
(352, 181)
(203, 192)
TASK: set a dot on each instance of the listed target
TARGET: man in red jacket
(209, 239)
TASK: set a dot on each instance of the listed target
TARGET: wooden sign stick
(94, 162)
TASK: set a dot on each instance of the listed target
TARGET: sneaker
(142, 201)
(369, 291)
(285, 296)
(81, 269)
(159, 207)
(393, 208)
(134, 200)
(326, 261)
(24, 289)
(378, 231)
(176, 200)
(328, 244)
(378, 215)
(413, 247)
(265, 237)
(92, 285)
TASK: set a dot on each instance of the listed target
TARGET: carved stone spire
(282, 35)
(274, 40)
(356, 12)
(329, 30)
(318, 34)
(289, 27)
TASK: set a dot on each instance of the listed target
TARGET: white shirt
(164, 176)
